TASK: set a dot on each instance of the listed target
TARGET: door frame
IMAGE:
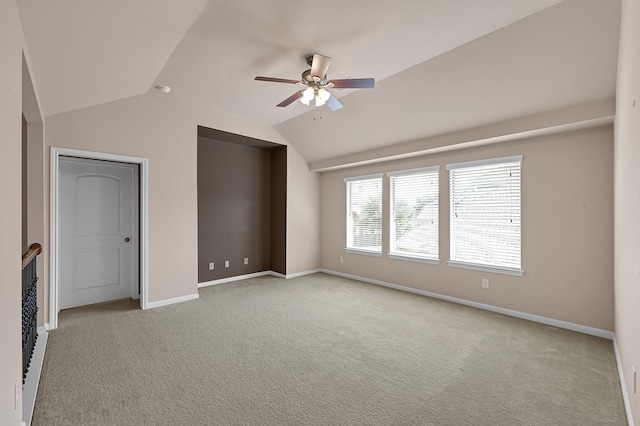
(56, 152)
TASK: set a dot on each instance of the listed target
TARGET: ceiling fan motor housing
(313, 79)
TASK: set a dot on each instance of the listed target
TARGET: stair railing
(29, 306)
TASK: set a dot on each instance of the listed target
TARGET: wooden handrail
(34, 250)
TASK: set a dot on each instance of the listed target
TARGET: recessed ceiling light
(164, 89)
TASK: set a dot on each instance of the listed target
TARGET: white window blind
(414, 212)
(485, 214)
(364, 213)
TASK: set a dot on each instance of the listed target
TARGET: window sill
(362, 251)
(413, 258)
(485, 268)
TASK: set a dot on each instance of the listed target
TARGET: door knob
(126, 240)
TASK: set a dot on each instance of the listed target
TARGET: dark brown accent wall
(241, 205)
(278, 222)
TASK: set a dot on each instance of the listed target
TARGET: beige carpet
(320, 350)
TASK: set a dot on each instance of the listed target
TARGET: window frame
(349, 220)
(413, 256)
(458, 263)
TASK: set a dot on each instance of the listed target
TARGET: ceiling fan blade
(354, 83)
(277, 80)
(320, 65)
(333, 103)
(290, 99)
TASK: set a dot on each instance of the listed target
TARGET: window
(364, 214)
(485, 215)
(414, 214)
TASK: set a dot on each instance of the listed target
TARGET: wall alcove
(242, 205)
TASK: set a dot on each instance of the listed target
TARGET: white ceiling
(562, 56)
(89, 52)
(439, 65)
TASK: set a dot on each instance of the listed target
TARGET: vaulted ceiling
(439, 65)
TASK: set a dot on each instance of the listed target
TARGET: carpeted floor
(320, 350)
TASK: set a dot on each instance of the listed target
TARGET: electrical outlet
(226, 263)
(246, 260)
(211, 266)
(341, 259)
(485, 283)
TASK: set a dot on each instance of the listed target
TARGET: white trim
(30, 388)
(414, 171)
(231, 279)
(606, 334)
(485, 162)
(486, 268)
(362, 251)
(300, 274)
(135, 290)
(54, 231)
(166, 302)
(365, 177)
(278, 275)
(413, 258)
(256, 274)
(53, 241)
(623, 384)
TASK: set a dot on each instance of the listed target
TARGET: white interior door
(98, 208)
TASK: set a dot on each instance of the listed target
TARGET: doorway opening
(61, 155)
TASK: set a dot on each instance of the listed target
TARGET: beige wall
(572, 116)
(11, 42)
(37, 230)
(25, 196)
(627, 199)
(303, 215)
(567, 243)
(165, 132)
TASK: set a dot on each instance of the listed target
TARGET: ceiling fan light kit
(321, 96)
(317, 84)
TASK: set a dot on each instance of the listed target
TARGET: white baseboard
(254, 275)
(300, 274)
(231, 279)
(623, 384)
(30, 387)
(277, 275)
(606, 334)
(166, 302)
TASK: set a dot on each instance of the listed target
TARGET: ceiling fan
(317, 84)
